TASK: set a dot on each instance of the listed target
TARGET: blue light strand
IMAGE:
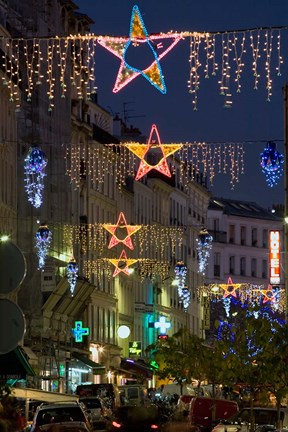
(72, 274)
(271, 162)
(204, 246)
(34, 166)
(183, 291)
(43, 239)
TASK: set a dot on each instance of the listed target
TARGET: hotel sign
(274, 257)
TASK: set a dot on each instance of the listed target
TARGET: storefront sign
(135, 348)
(274, 257)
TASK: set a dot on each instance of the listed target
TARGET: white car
(264, 419)
(96, 411)
(61, 414)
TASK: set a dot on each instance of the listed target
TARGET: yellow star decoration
(142, 150)
(269, 294)
(122, 264)
(121, 224)
(230, 288)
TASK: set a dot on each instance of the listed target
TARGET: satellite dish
(12, 267)
(12, 325)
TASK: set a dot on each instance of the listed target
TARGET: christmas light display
(79, 331)
(116, 162)
(72, 274)
(34, 166)
(138, 35)
(204, 245)
(43, 241)
(271, 162)
(183, 291)
(153, 148)
(121, 225)
(122, 264)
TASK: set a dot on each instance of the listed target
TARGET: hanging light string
(46, 60)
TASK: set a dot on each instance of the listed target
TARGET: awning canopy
(14, 365)
(135, 367)
(97, 368)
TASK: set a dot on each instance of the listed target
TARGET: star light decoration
(121, 225)
(72, 274)
(204, 245)
(271, 162)
(138, 35)
(43, 240)
(34, 166)
(183, 291)
(122, 264)
(154, 148)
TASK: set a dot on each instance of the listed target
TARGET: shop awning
(15, 366)
(136, 368)
(97, 368)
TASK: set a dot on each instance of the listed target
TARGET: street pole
(286, 196)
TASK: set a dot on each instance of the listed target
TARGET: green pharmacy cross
(162, 325)
(79, 331)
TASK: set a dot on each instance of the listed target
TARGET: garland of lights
(69, 61)
(251, 294)
(34, 166)
(271, 162)
(72, 274)
(204, 245)
(183, 291)
(122, 160)
(43, 240)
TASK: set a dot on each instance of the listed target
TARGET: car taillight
(153, 426)
(116, 425)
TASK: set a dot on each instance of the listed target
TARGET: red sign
(274, 257)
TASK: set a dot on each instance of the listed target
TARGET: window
(217, 264)
(243, 235)
(254, 236)
(265, 238)
(242, 266)
(231, 233)
(254, 267)
(232, 265)
(264, 269)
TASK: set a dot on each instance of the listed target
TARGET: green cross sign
(79, 331)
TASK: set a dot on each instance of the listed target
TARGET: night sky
(251, 119)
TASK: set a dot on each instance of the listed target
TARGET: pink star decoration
(121, 225)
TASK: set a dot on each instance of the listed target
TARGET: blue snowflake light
(204, 245)
(43, 241)
(183, 291)
(271, 162)
(34, 166)
(72, 274)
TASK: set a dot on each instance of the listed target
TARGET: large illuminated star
(141, 151)
(230, 288)
(122, 264)
(138, 35)
(121, 224)
(269, 294)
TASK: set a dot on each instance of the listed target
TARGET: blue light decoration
(43, 241)
(34, 165)
(183, 291)
(204, 245)
(271, 162)
(72, 274)
(79, 331)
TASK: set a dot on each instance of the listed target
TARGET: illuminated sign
(274, 257)
(135, 348)
(162, 325)
(162, 336)
(79, 331)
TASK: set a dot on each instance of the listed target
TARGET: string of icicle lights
(66, 65)
(98, 161)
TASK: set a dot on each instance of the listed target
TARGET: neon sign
(274, 257)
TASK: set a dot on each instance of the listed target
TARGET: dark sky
(251, 119)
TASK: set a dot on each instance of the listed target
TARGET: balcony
(219, 236)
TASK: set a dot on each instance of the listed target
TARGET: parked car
(96, 412)
(60, 413)
(204, 412)
(108, 393)
(64, 427)
(264, 418)
(133, 394)
(136, 418)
